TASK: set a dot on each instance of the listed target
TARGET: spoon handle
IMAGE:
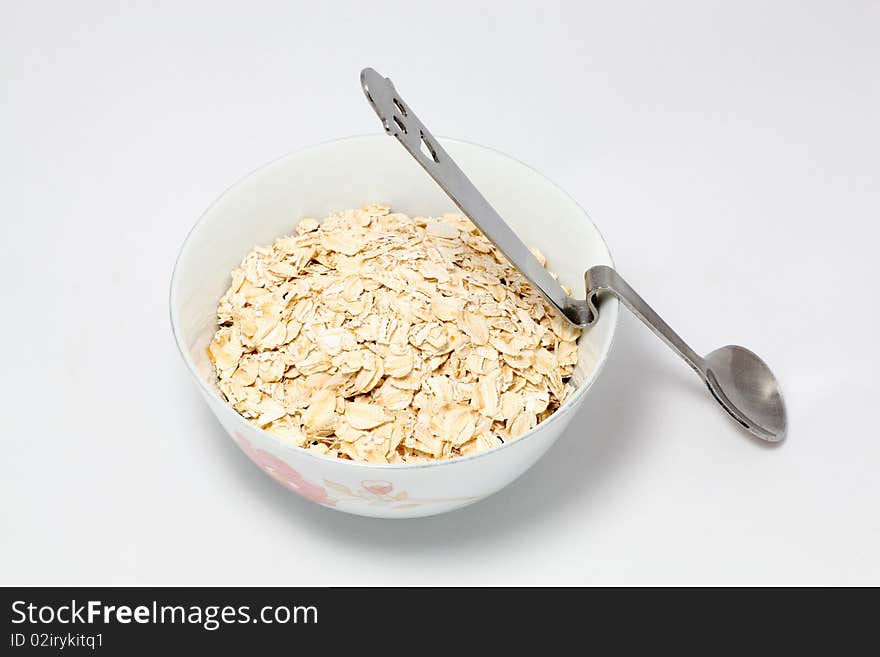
(602, 278)
(400, 121)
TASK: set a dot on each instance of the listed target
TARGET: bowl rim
(610, 307)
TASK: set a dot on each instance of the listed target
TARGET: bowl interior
(350, 173)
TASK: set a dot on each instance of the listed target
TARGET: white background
(729, 152)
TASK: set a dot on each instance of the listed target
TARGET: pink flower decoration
(283, 473)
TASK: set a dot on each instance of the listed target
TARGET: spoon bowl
(744, 385)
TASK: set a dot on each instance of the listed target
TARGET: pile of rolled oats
(378, 337)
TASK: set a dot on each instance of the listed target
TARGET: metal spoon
(738, 380)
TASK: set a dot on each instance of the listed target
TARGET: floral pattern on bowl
(381, 493)
(283, 473)
(373, 492)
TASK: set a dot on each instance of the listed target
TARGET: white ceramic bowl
(350, 173)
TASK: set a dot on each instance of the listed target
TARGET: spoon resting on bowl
(739, 381)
